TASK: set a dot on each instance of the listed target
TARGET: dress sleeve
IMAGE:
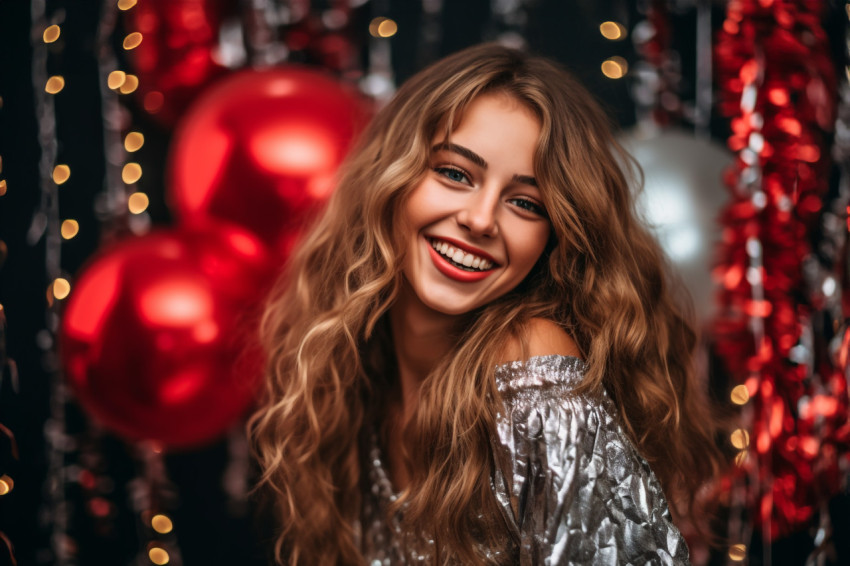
(571, 485)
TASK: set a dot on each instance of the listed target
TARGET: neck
(421, 337)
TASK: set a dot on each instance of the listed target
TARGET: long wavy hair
(330, 359)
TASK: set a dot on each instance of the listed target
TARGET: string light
(70, 228)
(132, 40)
(116, 79)
(126, 4)
(51, 34)
(131, 173)
(737, 552)
(133, 141)
(138, 202)
(158, 555)
(161, 524)
(7, 484)
(382, 27)
(740, 394)
(131, 83)
(61, 173)
(2, 187)
(54, 84)
(615, 68)
(614, 31)
(61, 288)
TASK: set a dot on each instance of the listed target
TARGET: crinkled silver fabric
(571, 486)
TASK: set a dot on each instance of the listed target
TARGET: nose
(478, 213)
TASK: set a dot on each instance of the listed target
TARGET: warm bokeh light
(615, 67)
(612, 30)
(131, 173)
(387, 28)
(131, 83)
(382, 27)
(740, 438)
(126, 4)
(7, 484)
(737, 552)
(138, 202)
(115, 79)
(2, 187)
(161, 524)
(132, 40)
(740, 458)
(61, 173)
(158, 555)
(61, 288)
(133, 141)
(51, 34)
(70, 228)
(153, 101)
(740, 395)
(54, 84)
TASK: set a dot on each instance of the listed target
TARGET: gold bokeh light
(740, 438)
(54, 85)
(61, 173)
(2, 187)
(61, 288)
(615, 68)
(138, 202)
(737, 552)
(158, 555)
(134, 141)
(740, 394)
(126, 4)
(115, 79)
(614, 31)
(131, 173)
(70, 228)
(382, 27)
(7, 484)
(161, 524)
(131, 83)
(132, 40)
(51, 33)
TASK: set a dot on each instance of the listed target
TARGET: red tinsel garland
(778, 85)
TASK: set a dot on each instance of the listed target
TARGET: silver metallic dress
(571, 486)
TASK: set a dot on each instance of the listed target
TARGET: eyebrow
(478, 160)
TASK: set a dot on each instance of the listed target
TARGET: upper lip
(464, 246)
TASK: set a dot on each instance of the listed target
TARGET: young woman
(474, 357)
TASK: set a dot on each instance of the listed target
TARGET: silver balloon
(681, 200)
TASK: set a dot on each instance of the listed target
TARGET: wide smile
(459, 263)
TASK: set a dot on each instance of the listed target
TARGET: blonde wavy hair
(330, 361)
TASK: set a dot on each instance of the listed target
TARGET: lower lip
(452, 272)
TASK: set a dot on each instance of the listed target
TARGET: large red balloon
(261, 148)
(157, 337)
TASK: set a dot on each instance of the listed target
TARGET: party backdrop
(159, 159)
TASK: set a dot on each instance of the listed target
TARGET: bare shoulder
(541, 337)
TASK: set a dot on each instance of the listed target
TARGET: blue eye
(530, 206)
(452, 174)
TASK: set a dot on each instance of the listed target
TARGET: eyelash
(445, 171)
(523, 203)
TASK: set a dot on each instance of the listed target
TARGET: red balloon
(157, 339)
(261, 148)
(177, 55)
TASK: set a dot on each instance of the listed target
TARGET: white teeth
(460, 257)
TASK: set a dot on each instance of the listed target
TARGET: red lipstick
(452, 271)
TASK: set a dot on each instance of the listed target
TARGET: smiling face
(476, 223)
